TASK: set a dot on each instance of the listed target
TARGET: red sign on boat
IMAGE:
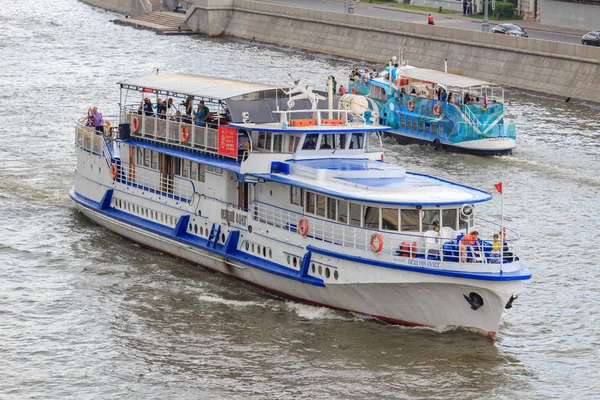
(227, 141)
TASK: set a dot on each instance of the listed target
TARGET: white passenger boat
(283, 191)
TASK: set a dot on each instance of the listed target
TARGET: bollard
(440, 10)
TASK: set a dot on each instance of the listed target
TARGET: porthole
(249, 228)
(270, 253)
(129, 207)
(99, 170)
(258, 248)
(190, 227)
(195, 228)
(295, 262)
(336, 275)
(289, 259)
(253, 247)
(320, 270)
(313, 268)
(271, 193)
(247, 246)
(162, 217)
(223, 237)
(201, 231)
(147, 213)
(264, 252)
(91, 167)
(327, 273)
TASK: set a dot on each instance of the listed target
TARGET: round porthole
(336, 275)
(327, 273)
(247, 246)
(250, 228)
(320, 270)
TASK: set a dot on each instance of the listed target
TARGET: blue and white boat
(411, 101)
(288, 194)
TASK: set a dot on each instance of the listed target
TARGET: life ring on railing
(437, 110)
(185, 134)
(135, 124)
(411, 106)
(376, 242)
(303, 226)
(114, 171)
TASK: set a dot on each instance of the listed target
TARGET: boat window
(309, 205)
(176, 165)
(327, 141)
(201, 173)
(331, 203)
(430, 220)
(185, 168)
(461, 224)
(140, 156)
(321, 202)
(147, 155)
(293, 143)
(342, 141)
(278, 143)
(372, 217)
(310, 142)
(357, 140)
(409, 220)
(378, 93)
(154, 160)
(296, 193)
(389, 219)
(194, 171)
(355, 213)
(218, 171)
(264, 140)
(342, 211)
(449, 218)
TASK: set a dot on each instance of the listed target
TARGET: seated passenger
(310, 143)
(495, 253)
(470, 239)
(201, 114)
(324, 145)
(147, 106)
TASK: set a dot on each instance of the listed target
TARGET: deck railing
(179, 132)
(426, 245)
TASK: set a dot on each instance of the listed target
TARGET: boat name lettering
(422, 263)
(232, 216)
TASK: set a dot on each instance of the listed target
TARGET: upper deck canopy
(441, 78)
(196, 85)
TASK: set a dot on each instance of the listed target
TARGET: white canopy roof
(441, 78)
(197, 85)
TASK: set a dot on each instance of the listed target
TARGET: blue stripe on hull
(228, 250)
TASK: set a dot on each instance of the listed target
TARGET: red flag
(498, 187)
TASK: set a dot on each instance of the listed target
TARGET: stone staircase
(165, 22)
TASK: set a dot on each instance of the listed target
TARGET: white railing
(427, 245)
(167, 185)
(178, 131)
(89, 139)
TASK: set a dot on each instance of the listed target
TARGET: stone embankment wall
(560, 69)
(131, 7)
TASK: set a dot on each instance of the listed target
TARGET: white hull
(405, 297)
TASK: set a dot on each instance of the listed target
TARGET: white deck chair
(447, 233)
(432, 243)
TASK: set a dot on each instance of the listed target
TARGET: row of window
(375, 217)
(412, 124)
(144, 212)
(257, 249)
(276, 142)
(175, 165)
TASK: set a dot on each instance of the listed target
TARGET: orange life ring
(303, 226)
(437, 110)
(185, 134)
(376, 247)
(410, 105)
(135, 124)
(114, 171)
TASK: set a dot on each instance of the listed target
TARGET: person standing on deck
(202, 114)
(98, 120)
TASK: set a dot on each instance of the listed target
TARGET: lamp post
(485, 25)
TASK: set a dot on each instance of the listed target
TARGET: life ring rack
(376, 242)
(185, 134)
(303, 226)
(410, 106)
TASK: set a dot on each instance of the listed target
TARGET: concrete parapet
(131, 7)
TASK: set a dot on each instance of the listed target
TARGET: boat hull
(396, 296)
(489, 147)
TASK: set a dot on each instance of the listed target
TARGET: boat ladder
(213, 236)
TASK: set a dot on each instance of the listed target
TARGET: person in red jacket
(470, 239)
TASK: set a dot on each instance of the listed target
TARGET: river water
(85, 314)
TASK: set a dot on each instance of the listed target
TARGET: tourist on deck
(333, 84)
(146, 107)
(342, 90)
(189, 105)
(450, 98)
(413, 92)
(470, 239)
(467, 98)
(170, 106)
(444, 96)
(496, 245)
(89, 121)
(98, 120)
(161, 109)
(201, 114)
